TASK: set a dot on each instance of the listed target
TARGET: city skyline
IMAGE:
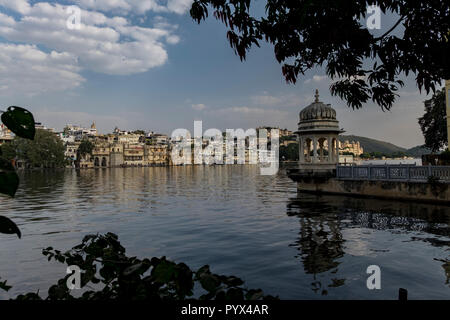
(162, 71)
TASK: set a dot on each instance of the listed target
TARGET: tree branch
(390, 30)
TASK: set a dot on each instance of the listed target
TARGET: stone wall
(116, 159)
(419, 191)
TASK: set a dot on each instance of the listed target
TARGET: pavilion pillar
(314, 150)
(309, 149)
(330, 153)
(336, 150)
(321, 146)
(301, 156)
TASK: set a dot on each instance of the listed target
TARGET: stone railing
(393, 172)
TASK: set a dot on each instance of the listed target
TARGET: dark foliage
(289, 152)
(85, 148)
(105, 266)
(21, 122)
(46, 150)
(434, 122)
(307, 34)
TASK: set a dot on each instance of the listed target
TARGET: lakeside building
(75, 132)
(120, 148)
(138, 148)
(39, 125)
(5, 134)
(71, 150)
(120, 154)
(157, 138)
(282, 132)
(350, 147)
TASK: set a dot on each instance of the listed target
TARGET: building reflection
(320, 242)
(323, 219)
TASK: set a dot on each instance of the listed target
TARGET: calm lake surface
(237, 221)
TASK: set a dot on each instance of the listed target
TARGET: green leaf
(20, 121)
(8, 226)
(140, 267)
(6, 165)
(209, 282)
(4, 286)
(232, 281)
(9, 182)
(254, 294)
(235, 294)
(202, 270)
(163, 272)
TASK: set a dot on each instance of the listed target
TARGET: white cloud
(104, 44)
(316, 79)
(21, 6)
(179, 6)
(285, 100)
(199, 107)
(25, 69)
(136, 6)
(250, 111)
(266, 100)
(6, 21)
(104, 5)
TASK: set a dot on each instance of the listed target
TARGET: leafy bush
(104, 264)
(445, 155)
(46, 150)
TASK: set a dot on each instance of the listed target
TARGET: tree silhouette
(434, 122)
(307, 34)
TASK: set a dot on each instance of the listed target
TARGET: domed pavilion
(318, 132)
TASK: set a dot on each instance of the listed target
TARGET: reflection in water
(235, 220)
(322, 218)
(320, 245)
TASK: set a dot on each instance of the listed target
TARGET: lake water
(237, 221)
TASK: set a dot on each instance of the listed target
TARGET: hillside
(372, 145)
(418, 151)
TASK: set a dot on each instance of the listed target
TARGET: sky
(145, 64)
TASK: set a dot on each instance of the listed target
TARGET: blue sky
(144, 64)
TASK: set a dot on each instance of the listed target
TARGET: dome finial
(317, 96)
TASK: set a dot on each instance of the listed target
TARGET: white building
(79, 132)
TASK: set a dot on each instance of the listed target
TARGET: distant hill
(418, 151)
(372, 145)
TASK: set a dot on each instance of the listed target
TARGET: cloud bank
(40, 45)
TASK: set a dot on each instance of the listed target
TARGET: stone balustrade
(392, 172)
